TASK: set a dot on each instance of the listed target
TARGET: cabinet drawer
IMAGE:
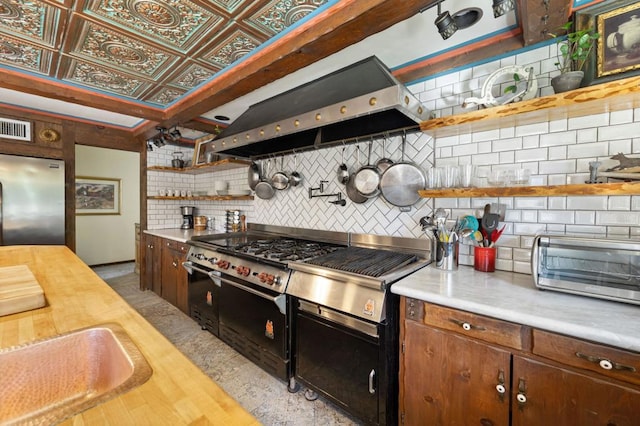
(172, 244)
(611, 362)
(183, 248)
(490, 330)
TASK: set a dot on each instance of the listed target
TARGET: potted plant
(573, 52)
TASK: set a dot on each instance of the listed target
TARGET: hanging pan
(253, 175)
(384, 163)
(400, 183)
(367, 178)
(264, 189)
(352, 192)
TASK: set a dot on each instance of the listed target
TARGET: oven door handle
(372, 376)
(190, 267)
(280, 300)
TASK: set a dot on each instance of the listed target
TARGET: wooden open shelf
(226, 164)
(618, 188)
(607, 97)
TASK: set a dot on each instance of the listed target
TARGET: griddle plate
(363, 261)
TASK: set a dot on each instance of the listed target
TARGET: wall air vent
(14, 129)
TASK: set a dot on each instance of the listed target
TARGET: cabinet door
(547, 395)
(448, 379)
(182, 296)
(151, 269)
(170, 263)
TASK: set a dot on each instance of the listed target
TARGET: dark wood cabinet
(451, 380)
(174, 276)
(461, 368)
(551, 395)
(162, 270)
(151, 264)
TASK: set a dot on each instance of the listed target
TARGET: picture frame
(614, 56)
(97, 196)
(200, 152)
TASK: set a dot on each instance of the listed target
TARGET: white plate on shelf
(221, 192)
(239, 192)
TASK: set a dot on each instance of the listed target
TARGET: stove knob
(213, 260)
(245, 271)
(277, 280)
(222, 264)
(200, 256)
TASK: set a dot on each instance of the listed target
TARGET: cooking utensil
(280, 180)
(295, 178)
(471, 222)
(343, 171)
(264, 189)
(253, 175)
(495, 235)
(367, 178)
(489, 222)
(384, 163)
(352, 192)
(177, 161)
(401, 182)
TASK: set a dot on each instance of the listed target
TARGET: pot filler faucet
(339, 201)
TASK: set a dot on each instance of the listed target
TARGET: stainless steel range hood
(360, 101)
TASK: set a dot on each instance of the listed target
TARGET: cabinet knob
(605, 363)
(522, 398)
(501, 389)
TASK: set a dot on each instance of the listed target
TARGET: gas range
(260, 256)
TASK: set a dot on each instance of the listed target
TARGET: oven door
(253, 321)
(338, 356)
(204, 297)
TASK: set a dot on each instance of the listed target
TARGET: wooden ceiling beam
(62, 92)
(340, 26)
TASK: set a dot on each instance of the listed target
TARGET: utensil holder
(447, 255)
(484, 259)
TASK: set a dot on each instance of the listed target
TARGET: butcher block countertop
(177, 393)
(513, 297)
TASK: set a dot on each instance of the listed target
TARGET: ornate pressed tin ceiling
(150, 51)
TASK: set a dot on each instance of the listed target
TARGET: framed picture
(203, 153)
(96, 195)
(617, 52)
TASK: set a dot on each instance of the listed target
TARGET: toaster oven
(595, 267)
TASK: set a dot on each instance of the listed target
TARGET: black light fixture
(500, 7)
(150, 145)
(175, 134)
(446, 24)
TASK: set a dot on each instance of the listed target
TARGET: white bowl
(222, 192)
(239, 192)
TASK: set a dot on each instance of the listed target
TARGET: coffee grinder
(187, 217)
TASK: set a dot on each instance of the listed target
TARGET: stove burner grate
(364, 261)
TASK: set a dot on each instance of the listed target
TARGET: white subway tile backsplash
(529, 228)
(587, 135)
(589, 121)
(619, 203)
(557, 166)
(488, 135)
(529, 216)
(618, 218)
(557, 153)
(508, 144)
(619, 131)
(583, 150)
(532, 129)
(558, 125)
(622, 145)
(529, 142)
(587, 202)
(559, 138)
(556, 216)
(621, 117)
(584, 217)
(528, 203)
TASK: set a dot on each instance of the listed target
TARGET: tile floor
(266, 397)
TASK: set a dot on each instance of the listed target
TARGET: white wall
(103, 239)
(557, 152)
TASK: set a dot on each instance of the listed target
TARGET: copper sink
(49, 380)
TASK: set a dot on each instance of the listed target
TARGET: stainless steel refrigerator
(31, 200)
